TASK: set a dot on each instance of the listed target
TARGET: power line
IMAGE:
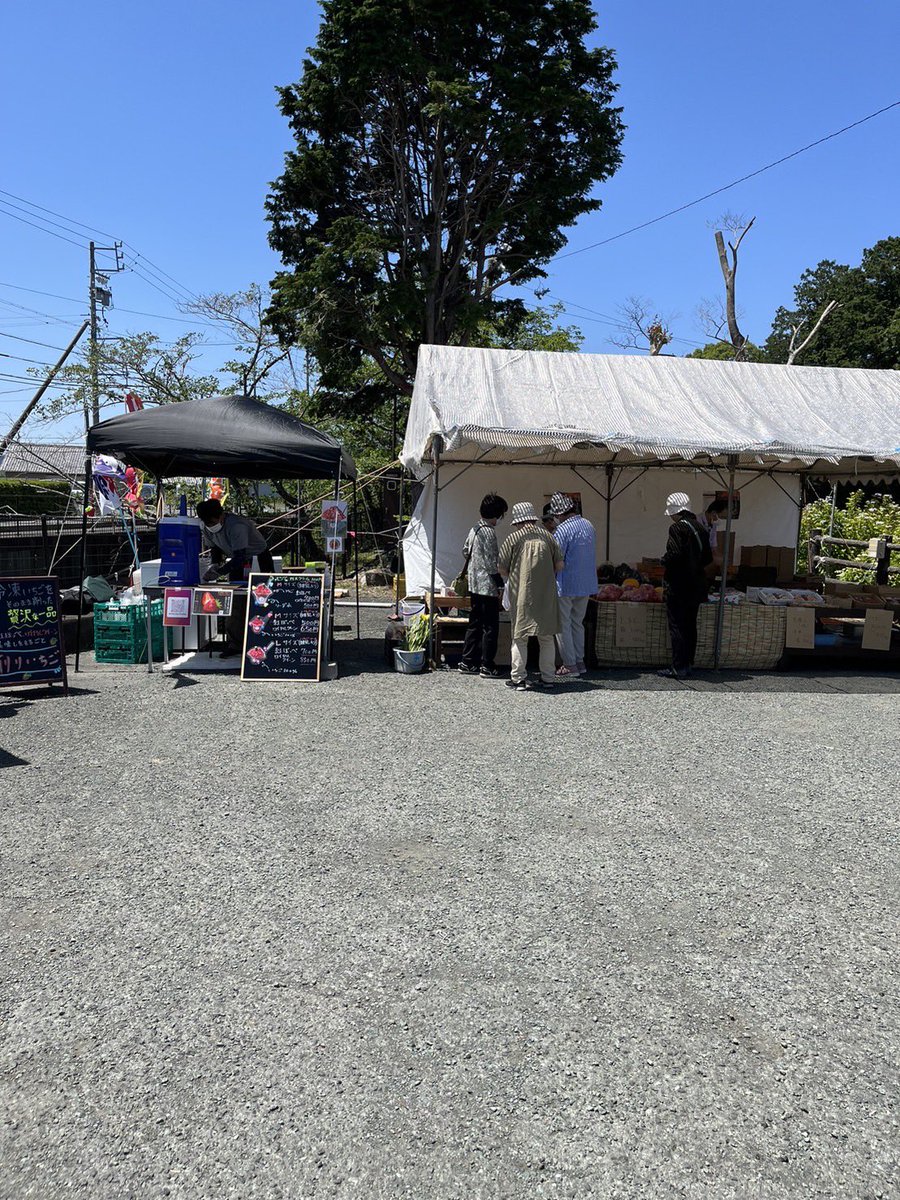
(62, 216)
(149, 265)
(46, 220)
(161, 288)
(32, 342)
(43, 229)
(726, 187)
(132, 311)
(38, 362)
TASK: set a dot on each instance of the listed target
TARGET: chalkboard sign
(283, 634)
(31, 641)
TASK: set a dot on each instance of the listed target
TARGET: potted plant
(410, 659)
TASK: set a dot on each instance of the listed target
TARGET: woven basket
(752, 637)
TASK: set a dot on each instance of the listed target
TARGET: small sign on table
(800, 628)
(631, 625)
(877, 629)
(177, 606)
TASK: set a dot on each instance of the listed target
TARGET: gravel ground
(429, 938)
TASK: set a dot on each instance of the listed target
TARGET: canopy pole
(356, 550)
(720, 615)
(609, 486)
(337, 496)
(399, 545)
(833, 506)
(83, 561)
(800, 508)
(437, 446)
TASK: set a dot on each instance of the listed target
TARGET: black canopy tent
(230, 436)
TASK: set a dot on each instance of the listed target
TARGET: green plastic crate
(120, 634)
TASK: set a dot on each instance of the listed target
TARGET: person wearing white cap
(529, 560)
(576, 582)
(687, 556)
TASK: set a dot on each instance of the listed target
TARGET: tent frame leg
(436, 447)
(83, 558)
(720, 615)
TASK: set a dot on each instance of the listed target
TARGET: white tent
(624, 431)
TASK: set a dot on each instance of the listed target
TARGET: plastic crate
(115, 616)
(120, 633)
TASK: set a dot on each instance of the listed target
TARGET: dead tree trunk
(729, 264)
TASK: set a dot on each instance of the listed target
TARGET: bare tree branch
(794, 350)
(642, 328)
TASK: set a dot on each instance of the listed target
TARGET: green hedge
(860, 519)
(34, 496)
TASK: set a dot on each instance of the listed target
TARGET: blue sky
(158, 124)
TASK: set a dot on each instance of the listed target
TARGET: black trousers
(682, 609)
(480, 648)
(234, 625)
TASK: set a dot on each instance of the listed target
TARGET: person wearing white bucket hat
(529, 560)
(687, 556)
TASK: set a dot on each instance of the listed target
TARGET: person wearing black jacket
(687, 556)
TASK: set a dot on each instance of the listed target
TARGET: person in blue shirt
(576, 582)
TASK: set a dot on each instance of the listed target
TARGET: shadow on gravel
(12, 701)
(776, 682)
(362, 656)
(11, 760)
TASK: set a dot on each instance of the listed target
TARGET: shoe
(581, 668)
(231, 652)
(565, 672)
(542, 686)
(522, 686)
(490, 673)
(464, 669)
(671, 673)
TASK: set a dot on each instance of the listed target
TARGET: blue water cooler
(180, 543)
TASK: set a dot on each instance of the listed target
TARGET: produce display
(631, 590)
(787, 597)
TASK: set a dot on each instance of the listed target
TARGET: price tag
(877, 629)
(631, 625)
(800, 629)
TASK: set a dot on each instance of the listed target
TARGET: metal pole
(82, 567)
(800, 508)
(720, 615)
(95, 369)
(356, 550)
(399, 544)
(437, 446)
(833, 503)
(609, 477)
(299, 522)
(337, 496)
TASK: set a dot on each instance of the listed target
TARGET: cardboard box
(753, 556)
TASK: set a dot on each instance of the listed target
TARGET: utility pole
(32, 403)
(99, 294)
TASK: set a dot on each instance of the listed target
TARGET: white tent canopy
(516, 405)
(624, 431)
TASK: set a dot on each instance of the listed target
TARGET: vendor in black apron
(233, 542)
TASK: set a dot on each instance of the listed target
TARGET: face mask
(214, 528)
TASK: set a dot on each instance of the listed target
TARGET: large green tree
(441, 151)
(864, 330)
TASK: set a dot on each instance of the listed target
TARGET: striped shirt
(578, 543)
